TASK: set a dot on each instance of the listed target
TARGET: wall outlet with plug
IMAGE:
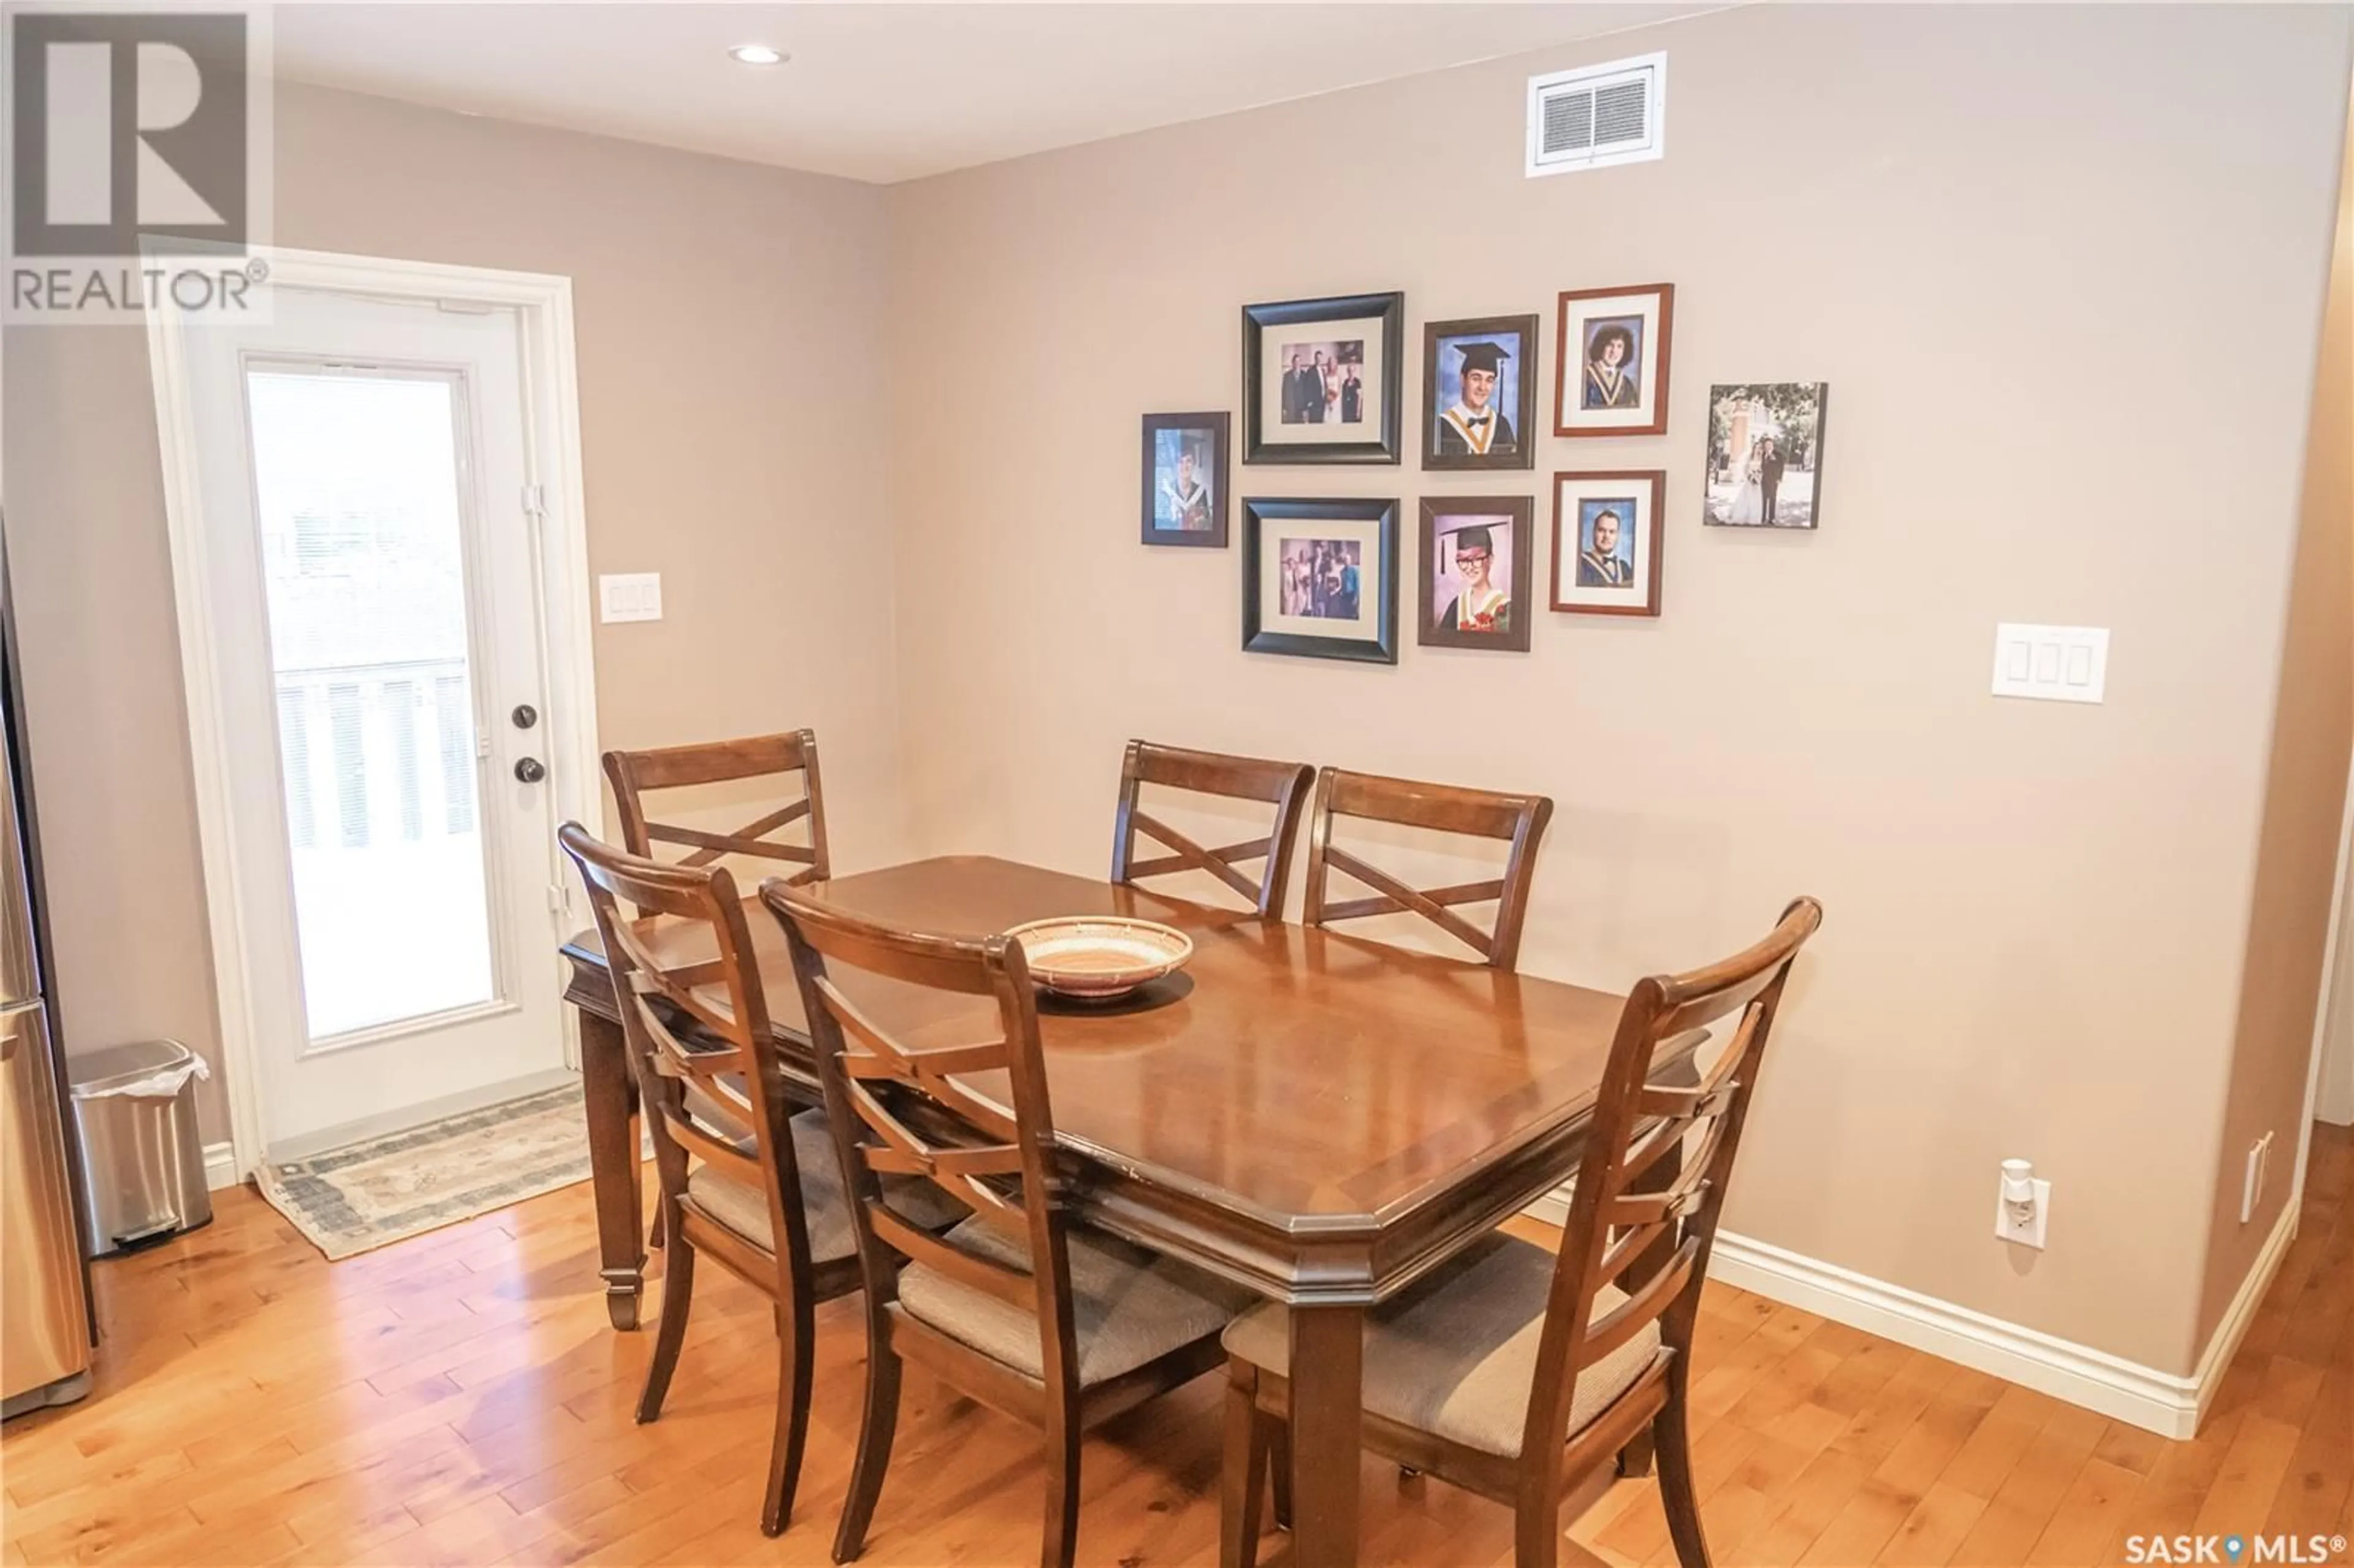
(2022, 1205)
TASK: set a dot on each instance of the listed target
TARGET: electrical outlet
(2260, 1164)
(2021, 1222)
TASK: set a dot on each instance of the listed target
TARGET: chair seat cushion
(1129, 1306)
(1457, 1354)
(743, 1208)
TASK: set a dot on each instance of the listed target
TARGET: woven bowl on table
(1097, 958)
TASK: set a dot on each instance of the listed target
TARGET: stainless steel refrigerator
(46, 1327)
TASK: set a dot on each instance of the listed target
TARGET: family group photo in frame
(1611, 359)
(1479, 391)
(1764, 454)
(1319, 578)
(1322, 380)
(1186, 479)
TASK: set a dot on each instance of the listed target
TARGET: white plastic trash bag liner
(149, 1070)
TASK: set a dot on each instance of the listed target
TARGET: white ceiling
(886, 91)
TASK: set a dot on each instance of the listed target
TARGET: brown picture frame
(1526, 332)
(1430, 632)
(1649, 487)
(1219, 428)
(1653, 361)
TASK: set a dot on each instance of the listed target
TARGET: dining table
(1320, 1117)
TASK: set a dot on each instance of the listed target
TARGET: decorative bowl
(1096, 957)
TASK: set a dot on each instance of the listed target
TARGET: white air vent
(1598, 115)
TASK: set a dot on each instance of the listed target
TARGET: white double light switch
(630, 596)
(2055, 663)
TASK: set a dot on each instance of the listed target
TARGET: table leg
(1328, 1356)
(611, 1101)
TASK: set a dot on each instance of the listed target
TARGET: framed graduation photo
(1605, 542)
(1321, 380)
(1185, 480)
(1610, 368)
(1479, 386)
(1320, 578)
(1477, 563)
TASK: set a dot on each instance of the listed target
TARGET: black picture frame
(1258, 512)
(1219, 429)
(1382, 447)
(1523, 454)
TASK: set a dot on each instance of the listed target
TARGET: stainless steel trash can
(143, 1161)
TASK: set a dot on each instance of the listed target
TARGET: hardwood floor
(458, 1398)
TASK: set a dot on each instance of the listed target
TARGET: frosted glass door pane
(356, 482)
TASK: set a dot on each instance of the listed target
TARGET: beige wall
(2068, 329)
(728, 317)
(2297, 865)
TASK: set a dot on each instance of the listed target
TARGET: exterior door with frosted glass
(372, 555)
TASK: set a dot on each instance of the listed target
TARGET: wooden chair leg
(1634, 1458)
(797, 1327)
(1678, 1495)
(1279, 1449)
(678, 1294)
(661, 1230)
(1536, 1530)
(1243, 1472)
(876, 1429)
(1061, 1546)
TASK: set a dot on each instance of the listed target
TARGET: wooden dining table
(1319, 1117)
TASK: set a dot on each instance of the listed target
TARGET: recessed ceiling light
(757, 54)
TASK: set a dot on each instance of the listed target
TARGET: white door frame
(552, 439)
(2330, 1011)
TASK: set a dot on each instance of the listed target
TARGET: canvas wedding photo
(1764, 454)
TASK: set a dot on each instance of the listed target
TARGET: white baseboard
(220, 1166)
(2224, 1343)
(2166, 1403)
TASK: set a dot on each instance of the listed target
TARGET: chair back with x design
(636, 774)
(1283, 785)
(1519, 819)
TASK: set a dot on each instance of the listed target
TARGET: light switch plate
(2053, 663)
(630, 596)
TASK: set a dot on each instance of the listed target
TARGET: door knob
(530, 770)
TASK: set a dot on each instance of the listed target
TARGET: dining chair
(636, 774)
(1519, 1373)
(1021, 1307)
(743, 1180)
(1283, 785)
(1519, 818)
